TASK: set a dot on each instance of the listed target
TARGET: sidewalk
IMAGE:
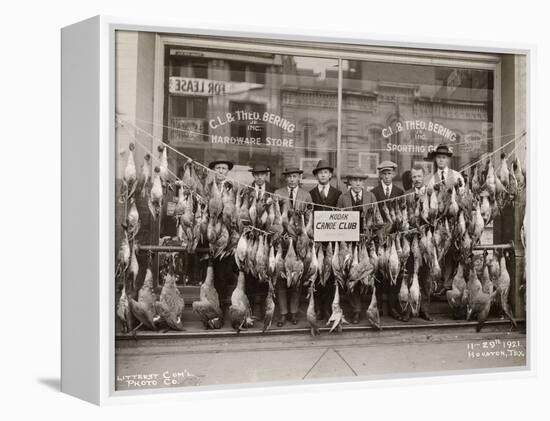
(177, 362)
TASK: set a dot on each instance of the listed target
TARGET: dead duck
(144, 308)
(171, 304)
(240, 313)
(208, 307)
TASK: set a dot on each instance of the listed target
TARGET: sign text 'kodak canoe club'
(253, 118)
(336, 226)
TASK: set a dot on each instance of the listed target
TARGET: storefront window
(400, 112)
(277, 110)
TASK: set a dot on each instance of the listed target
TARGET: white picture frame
(88, 197)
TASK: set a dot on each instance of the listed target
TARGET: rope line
(197, 195)
(322, 148)
(468, 166)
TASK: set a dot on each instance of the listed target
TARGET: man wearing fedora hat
(256, 290)
(385, 191)
(325, 195)
(443, 180)
(260, 172)
(225, 270)
(356, 198)
(220, 166)
(443, 175)
(297, 199)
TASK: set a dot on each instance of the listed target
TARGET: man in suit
(326, 195)
(443, 180)
(356, 196)
(424, 277)
(385, 191)
(256, 291)
(443, 176)
(260, 173)
(297, 199)
(225, 270)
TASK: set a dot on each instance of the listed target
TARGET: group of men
(324, 195)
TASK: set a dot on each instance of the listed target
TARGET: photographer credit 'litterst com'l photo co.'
(278, 210)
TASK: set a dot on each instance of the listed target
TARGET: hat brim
(359, 176)
(292, 172)
(431, 155)
(387, 168)
(259, 171)
(214, 163)
(315, 170)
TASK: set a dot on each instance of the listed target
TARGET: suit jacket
(331, 200)
(268, 188)
(302, 195)
(411, 197)
(380, 195)
(435, 178)
(346, 201)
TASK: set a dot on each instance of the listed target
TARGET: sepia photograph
(299, 211)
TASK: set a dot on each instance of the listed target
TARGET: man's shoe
(395, 315)
(282, 320)
(356, 317)
(293, 318)
(426, 316)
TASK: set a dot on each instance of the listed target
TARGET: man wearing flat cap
(385, 191)
(444, 180)
(297, 199)
(327, 196)
(356, 199)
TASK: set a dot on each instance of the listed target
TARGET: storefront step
(195, 329)
(438, 305)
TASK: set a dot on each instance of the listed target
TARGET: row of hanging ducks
(233, 220)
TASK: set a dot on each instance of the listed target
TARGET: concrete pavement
(177, 362)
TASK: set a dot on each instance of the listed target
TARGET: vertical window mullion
(339, 127)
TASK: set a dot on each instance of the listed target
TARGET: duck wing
(143, 312)
(208, 314)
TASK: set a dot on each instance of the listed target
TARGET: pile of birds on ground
(273, 242)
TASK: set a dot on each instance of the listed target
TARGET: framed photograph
(368, 162)
(180, 273)
(307, 165)
(428, 167)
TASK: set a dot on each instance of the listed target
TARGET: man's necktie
(442, 176)
(291, 196)
(325, 192)
(387, 192)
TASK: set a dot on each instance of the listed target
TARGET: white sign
(336, 226)
(207, 87)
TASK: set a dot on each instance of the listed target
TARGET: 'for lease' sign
(336, 226)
